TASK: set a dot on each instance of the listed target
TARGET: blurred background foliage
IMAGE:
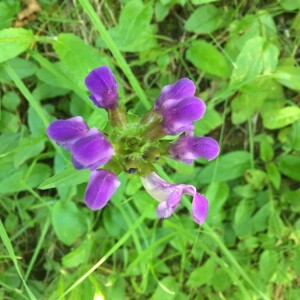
(243, 57)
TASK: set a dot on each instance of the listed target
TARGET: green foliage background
(243, 57)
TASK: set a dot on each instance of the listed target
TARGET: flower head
(134, 146)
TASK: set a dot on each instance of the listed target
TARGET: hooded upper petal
(102, 185)
(180, 116)
(183, 88)
(103, 87)
(188, 148)
(66, 132)
(91, 151)
(169, 195)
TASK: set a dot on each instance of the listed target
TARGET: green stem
(96, 21)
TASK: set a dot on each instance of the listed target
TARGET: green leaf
(266, 152)
(8, 9)
(290, 4)
(23, 68)
(28, 148)
(167, 289)
(216, 193)
(293, 137)
(268, 264)
(288, 76)
(207, 58)
(242, 218)
(10, 101)
(78, 256)
(273, 175)
(289, 165)
(282, 117)
(202, 275)
(205, 19)
(211, 120)
(14, 41)
(134, 33)
(19, 180)
(67, 177)
(66, 220)
(237, 162)
(249, 63)
(78, 57)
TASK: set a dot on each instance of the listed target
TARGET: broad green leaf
(268, 264)
(24, 68)
(273, 175)
(205, 19)
(78, 57)
(244, 106)
(19, 179)
(167, 289)
(9, 122)
(266, 152)
(8, 9)
(78, 256)
(211, 120)
(270, 57)
(293, 137)
(202, 275)
(207, 58)
(249, 63)
(217, 193)
(10, 101)
(282, 117)
(67, 222)
(288, 76)
(237, 162)
(134, 33)
(29, 147)
(68, 176)
(260, 219)
(289, 165)
(14, 41)
(290, 4)
(242, 218)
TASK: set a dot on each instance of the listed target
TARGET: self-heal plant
(133, 145)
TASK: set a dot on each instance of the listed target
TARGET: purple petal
(91, 151)
(180, 116)
(66, 132)
(188, 148)
(181, 89)
(103, 87)
(169, 195)
(199, 208)
(101, 187)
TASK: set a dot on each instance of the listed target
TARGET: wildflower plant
(134, 145)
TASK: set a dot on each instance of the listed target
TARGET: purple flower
(188, 148)
(66, 132)
(137, 143)
(103, 87)
(181, 89)
(102, 185)
(169, 195)
(179, 116)
(91, 151)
